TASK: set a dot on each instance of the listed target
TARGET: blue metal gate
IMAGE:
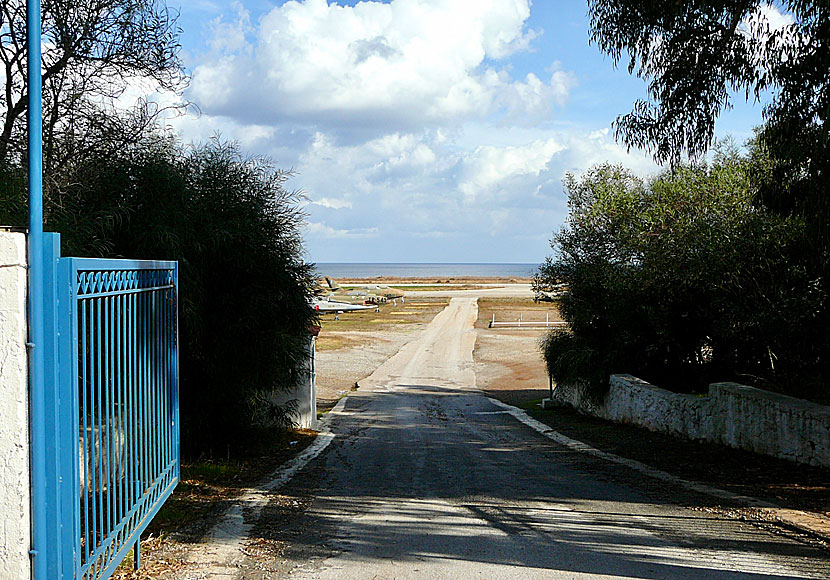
(111, 420)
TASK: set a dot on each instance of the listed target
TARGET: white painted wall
(305, 393)
(14, 410)
(732, 414)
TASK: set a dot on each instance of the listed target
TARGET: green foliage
(13, 206)
(234, 228)
(694, 54)
(683, 281)
(768, 317)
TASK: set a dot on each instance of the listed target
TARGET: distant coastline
(425, 270)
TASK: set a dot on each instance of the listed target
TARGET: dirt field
(350, 347)
(397, 281)
(508, 362)
(511, 309)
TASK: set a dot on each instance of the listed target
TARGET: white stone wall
(14, 410)
(735, 415)
(635, 401)
(772, 424)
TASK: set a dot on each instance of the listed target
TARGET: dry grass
(439, 287)
(335, 341)
(207, 488)
(404, 280)
(343, 331)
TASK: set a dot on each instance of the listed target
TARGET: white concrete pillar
(15, 533)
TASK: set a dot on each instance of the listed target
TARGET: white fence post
(15, 508)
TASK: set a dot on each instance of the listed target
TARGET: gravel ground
(509, 365)
(338, 370)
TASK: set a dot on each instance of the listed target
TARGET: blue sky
(420, 130)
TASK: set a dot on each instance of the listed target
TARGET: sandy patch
(509, 365)
(398, 280)
(339, 369)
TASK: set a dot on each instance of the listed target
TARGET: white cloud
(332, 203)
(508, 187)
(407, 122)
(774, 17)
(326, 231)
(488, 167)
(399, 64)
(231, 37)
(766, 20)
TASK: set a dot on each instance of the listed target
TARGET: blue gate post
(55, 487)
(67, 421)
(37, 335)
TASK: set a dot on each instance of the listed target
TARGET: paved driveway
(428, 479)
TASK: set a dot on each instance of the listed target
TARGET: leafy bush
(683, 281)
(234, 228)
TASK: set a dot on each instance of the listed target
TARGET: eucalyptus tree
(695, 54)
(92, 51)
(699, 55)
(681, 280)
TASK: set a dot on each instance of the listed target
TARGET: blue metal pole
(37, 340)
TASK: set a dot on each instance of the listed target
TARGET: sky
(419, 130)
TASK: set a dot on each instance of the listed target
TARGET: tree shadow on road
(431, 477)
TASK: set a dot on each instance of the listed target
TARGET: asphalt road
(427, 479)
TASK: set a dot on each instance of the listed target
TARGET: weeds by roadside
(208, 486)
(790, 485)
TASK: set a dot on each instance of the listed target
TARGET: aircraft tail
(331, 284)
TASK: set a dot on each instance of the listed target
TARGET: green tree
(683, 281)
(234, 227)
(695, 54)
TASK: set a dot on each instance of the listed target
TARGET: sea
(424, 270)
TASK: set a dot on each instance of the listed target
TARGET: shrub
(684, 280)
(235, 230)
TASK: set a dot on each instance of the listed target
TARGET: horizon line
(423, 263)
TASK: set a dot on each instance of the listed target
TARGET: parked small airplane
(325, 305)
(368, 293)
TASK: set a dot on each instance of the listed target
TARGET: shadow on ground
(440, 477)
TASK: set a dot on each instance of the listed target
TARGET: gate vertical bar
(176, 292)
(86, 369)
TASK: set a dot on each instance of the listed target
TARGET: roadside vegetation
(207, 488)
(716, 269)
(683, 281)
(118, 184)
